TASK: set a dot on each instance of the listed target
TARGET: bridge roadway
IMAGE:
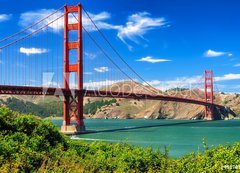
(30, 90)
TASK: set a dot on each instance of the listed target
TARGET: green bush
(92, 107)
(44, 109)
(225, 102)
(29, 144)
(25, 140)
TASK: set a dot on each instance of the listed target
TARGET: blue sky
(169, 43)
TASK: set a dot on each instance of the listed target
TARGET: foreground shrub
(28, 144)
(25, 140)
(211, 160)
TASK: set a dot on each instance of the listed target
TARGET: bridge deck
(29, 90)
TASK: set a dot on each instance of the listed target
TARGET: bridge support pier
(209, 113)
(73, 110)
(73, 104)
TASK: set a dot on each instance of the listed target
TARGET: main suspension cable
(109, 58)
(117, 53)
(28, 35)
(25, 29)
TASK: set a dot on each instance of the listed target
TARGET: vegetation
(92, 107)
(44, 109)
(29, 144)
(52, 108)
(177, 89)
(225, 102)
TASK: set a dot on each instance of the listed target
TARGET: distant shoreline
(52, 118)
(61, 118)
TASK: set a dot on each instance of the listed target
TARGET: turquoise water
(181, 136)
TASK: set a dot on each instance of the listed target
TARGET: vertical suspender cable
(117, 53)
(57, 53)
(52, 56)
(47, 55)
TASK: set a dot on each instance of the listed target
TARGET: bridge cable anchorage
(104, 52)
(116, 52)
(25, 29)
(28, 35)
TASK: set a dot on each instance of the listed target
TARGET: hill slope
(124, 108)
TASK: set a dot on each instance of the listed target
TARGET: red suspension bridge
(63, 66)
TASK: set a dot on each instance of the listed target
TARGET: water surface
(181, 136)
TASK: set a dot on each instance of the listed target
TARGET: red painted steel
(208, 90)
(73, 26)
(24, 90)
(73, 104)
(72, 9)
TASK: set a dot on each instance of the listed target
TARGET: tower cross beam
(73, 106)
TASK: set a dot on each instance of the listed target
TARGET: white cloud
(189, 82)
(138, 25)
(5, 17)
(31, 17)
(153, 82)
(96, 85)
(237, 65)
(212, 53)
(152, 60)
(29, 51)
(101, 69)
(180, 82)
(100, 20)
(230, 76)
(99, 84)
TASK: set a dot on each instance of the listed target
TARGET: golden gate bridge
(61, 67)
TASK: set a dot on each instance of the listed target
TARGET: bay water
(180, 136)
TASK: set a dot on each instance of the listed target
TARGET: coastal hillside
(123, 108)
(151, 109)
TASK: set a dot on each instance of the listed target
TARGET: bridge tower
(73, 105)
(208, 90)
